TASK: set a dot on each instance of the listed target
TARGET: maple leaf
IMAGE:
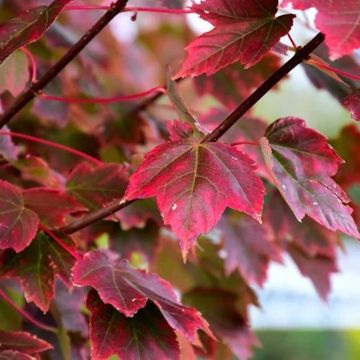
(36, 268)
(22, 341)
(128, 290)
(145, 336)
(96, 186)
(233, 84)
(18, 225)
(14, 73)
(301, 163)
(310, 237)
(317, 268)
(186, 176)
(28, 27)
(338, 20)
(249, 247)
(51, 213)
(244, 31)
(352, 103)
(220, 307)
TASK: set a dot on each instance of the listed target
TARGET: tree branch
(36, 87)
(93, 217)
(300, 55)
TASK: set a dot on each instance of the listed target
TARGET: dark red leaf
(249, 247)
(23, 342)
(52, 206)
(233, 84)
(145, 336)
(186, 176)
(28, 27)
(220, 307)
(36, 268)
(310, 237)
(70, 306)
(352, 103)
(128, 290)
(338, 20)
(97, 186)
(317, 268)
(302, 163)
(244, 31)
(18, 225)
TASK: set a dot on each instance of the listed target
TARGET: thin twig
(300, 55)
(94, 217)
(24, 314)
(36, 87)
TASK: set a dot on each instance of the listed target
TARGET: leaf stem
(24, 314)
(36, 87)
(114, 99)
(52, 144)
(33, 66)
(94, 217)
(60, 242)
(302, 53)
(336, 71)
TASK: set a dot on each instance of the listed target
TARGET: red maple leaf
(18, 225)
(128, 290)
(338, 20)
(244, 31)
(146, 335)
(28, 27)
(194, 183)
(302, 163)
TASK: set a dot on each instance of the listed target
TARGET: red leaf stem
(132, 9)
(33, 66)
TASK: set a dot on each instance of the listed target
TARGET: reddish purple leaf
(28, 27)
(317, 268)
(97, 186)
(36, 268)
(338, 20)
(234, 84)
(249, 247)
(128, 290)
(23, 342)
(221, 309)
(185, 177)
(244, 31)
(51, 213)
(18, 225)
(310, 237)
(146, 335)
(34, 168)
(352, 103)
(138, 214)
(302, 163)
